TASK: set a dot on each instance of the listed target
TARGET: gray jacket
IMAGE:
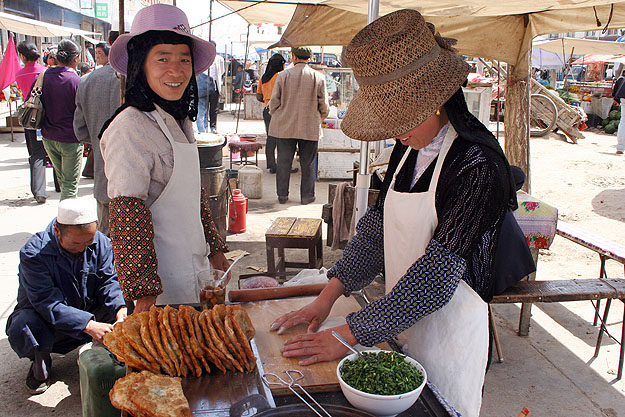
(97, 98)
(299, 103)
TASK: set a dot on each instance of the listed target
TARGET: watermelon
(611, 127)
(605, 122)
(614, 115)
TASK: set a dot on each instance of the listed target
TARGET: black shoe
(272, 170)
(308, 200)
(282, 200)
(294, 170)
(35, 386)
(40, 199)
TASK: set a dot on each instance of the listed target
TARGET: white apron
(179, 240)
(451, 343)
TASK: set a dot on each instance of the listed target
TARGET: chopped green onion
(384, 373)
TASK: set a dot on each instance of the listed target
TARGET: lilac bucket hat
(161, 17)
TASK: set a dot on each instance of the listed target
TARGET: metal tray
(212, 394)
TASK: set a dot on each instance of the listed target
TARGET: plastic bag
(308, 276)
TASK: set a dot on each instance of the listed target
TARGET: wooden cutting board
(320, 377)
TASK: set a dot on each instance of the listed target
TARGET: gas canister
(98, 371)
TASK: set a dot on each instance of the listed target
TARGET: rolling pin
(256, 294)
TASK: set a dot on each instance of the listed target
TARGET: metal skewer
(291, 384)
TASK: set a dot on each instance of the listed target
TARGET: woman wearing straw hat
(159, 223)
(435, 228)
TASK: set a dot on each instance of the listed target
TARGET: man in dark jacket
(68, 290)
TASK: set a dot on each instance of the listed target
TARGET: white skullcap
(77, 211)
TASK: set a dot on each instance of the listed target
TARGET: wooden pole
(210, 20)
(517, 124)
(122, 29)
(241, 93)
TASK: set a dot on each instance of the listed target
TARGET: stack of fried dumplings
(184, 341)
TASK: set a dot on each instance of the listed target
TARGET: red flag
(10, 65)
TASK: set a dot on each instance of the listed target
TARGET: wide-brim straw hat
(161, 17)
(405, 71)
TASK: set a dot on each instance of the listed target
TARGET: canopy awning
(92, 40)
(583, 46)
(495, 30)
(33, 27)
(594, 59)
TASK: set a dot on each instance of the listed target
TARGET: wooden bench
(569, 290)
(291, 232)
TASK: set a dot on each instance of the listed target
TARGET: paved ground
(551, 372)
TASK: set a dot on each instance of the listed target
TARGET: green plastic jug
(98, 370)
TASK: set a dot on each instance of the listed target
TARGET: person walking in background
(102, 54)
(215, 73)
(50, 59)
(241, 80)
(265, 87)
(202, 102)
(97, 98)
(618, 92)
(59, 100)
(29, 54)
(298, 105)
(83, 68)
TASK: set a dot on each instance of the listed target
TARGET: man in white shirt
(215, 73)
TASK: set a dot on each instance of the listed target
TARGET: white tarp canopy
(32, 27)
(548, 60)
(92, 40)
(500, 30)
(583, 46)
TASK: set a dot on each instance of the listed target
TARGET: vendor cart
(542, 104)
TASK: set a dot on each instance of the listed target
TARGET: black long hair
(138, 91)
(274, 66)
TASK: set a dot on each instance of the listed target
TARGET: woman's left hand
(219, 261)
(320, 347)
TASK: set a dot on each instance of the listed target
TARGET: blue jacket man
(68, 290)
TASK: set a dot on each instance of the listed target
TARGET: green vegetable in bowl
(384, 373)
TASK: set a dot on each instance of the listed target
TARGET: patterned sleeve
(428, 285)
(471, 207)
(132, 234)
(363, 257)
(213, 238)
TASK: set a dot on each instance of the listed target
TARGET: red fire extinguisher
(237, 210)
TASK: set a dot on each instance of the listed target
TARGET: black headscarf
(138, 91)
(470, 128)
(274, 66)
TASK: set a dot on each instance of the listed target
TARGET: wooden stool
(291, 232)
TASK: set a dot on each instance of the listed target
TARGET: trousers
(37, 163)
(66, 158)
(307, 158)
(213, 107)
(270, 147)
(202, 114)
(620, 133)
(28, 333)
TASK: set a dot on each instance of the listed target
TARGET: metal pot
(263, 409)
(210, 154)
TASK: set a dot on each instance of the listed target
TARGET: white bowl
(381, 405)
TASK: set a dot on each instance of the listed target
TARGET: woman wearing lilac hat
(160, 221)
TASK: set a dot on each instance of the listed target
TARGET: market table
(213, 395)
